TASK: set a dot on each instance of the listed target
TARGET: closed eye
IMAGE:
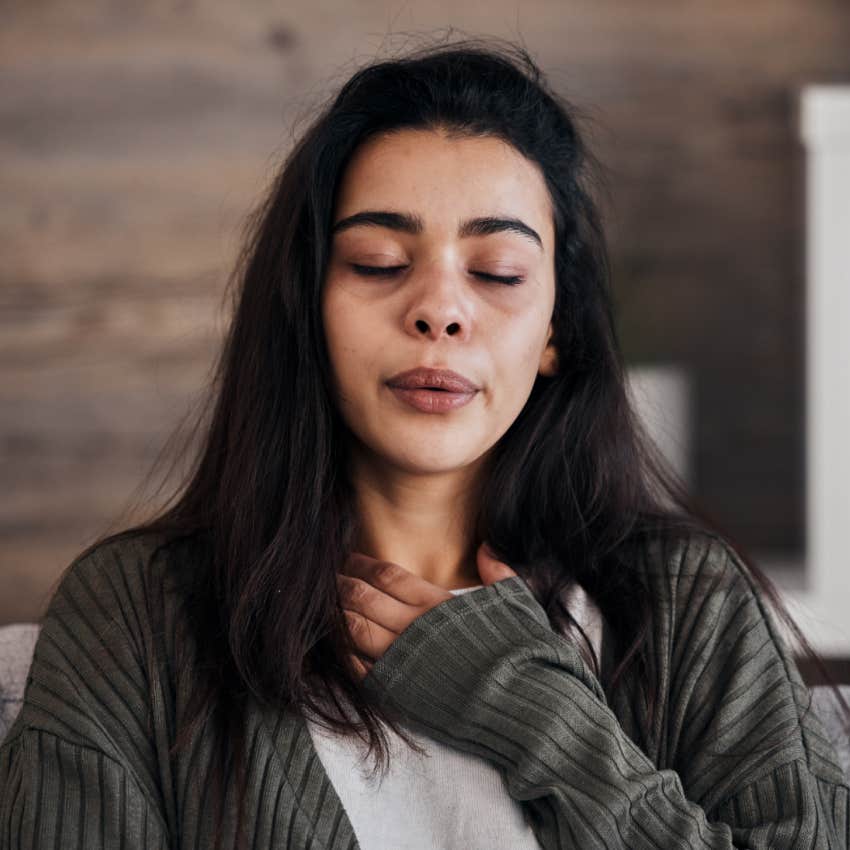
(389, 271)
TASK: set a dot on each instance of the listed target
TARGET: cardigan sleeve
(79, 767)
(485, 673)
(54, 793)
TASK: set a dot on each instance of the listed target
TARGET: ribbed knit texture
(441, 798)
(733, 760)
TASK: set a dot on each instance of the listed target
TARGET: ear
(549, 358)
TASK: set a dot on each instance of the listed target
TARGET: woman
(424, 513)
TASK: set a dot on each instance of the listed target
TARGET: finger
(361, 666)
(394, 580)
(370, 638)
(359, 595)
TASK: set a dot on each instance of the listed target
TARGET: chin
(437, 458)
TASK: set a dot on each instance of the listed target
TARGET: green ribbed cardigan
(733, 759)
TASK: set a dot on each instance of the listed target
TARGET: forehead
(445, 179)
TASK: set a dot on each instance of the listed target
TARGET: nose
(424, 328)
(438, 309)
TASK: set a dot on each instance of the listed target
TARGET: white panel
(823, 606)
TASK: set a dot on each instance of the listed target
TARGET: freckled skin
(415, 472)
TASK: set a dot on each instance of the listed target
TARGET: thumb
(490, 569)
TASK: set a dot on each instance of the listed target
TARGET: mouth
(431, 390)
(432, 399)
(433, 380)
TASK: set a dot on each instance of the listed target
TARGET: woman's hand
(381, 599)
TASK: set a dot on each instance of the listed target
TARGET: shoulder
(96, 684)
(129, 553)
(101, 661)
(714, 619)
(727, 669)
(102, 626)
(698, 554)
(107, 585)
(701, 576)
(124, 569)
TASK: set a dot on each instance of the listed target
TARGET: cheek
(518, 351)
(347, 333)
(336, 338)
(516, 361)
(335, 318)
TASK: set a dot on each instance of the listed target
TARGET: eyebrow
(410, 223)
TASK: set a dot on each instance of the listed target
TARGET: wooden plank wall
(134, 139)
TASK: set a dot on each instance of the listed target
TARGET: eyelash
(388, 271)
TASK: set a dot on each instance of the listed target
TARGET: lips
(434, 379)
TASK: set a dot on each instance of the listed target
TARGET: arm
(485, 673)
(59, 794)
(79, 767)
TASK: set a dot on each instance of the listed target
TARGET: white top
(448, 799)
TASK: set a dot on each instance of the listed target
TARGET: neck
(424, 523)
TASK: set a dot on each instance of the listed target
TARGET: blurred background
(136, 138)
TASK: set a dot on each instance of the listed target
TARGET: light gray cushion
(17, 643)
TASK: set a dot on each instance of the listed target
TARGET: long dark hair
(575, 485)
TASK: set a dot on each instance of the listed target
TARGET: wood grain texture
(134, 140)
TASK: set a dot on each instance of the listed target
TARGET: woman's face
(437, 306)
